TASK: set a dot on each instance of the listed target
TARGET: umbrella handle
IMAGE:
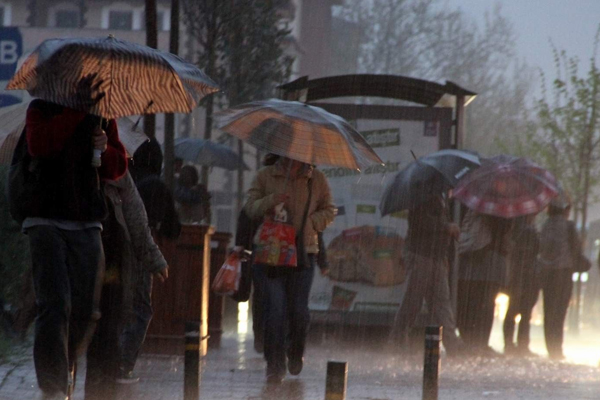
(97, 154)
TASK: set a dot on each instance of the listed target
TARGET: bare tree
(426, 39)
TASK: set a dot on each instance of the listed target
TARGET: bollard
(431, 365)
(191, 369)
(337, 379)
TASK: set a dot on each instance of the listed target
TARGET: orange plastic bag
(275, 244)
(227, 280)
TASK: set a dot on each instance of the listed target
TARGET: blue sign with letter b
(11, 48)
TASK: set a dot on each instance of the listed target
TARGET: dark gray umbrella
(207, 153)
(427, 176)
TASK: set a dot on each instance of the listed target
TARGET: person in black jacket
(523, 285)
(163, 220)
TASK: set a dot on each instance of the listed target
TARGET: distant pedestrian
(428, 240)
(559, 243)
(193, 199)
(303, 191)
(523, 286)
(164, 221)
(484, 249)
(131, 257)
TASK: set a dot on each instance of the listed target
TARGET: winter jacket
(271, 180)
(131, 242)
(59, 142)
(559, 243)
(428, 233)
(160, 206)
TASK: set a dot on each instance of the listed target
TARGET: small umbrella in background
(508, 187)
(12, 123)
(136, 79)
(433, 174)
(298, 131)
(207, 153)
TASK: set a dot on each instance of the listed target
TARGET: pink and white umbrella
(508, 187)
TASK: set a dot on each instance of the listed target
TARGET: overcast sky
(571, 24)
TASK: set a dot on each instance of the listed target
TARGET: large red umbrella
(507, 186)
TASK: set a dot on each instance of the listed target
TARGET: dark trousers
(524, 291)
(428, 281)
(67, 271)
(102, 354)
(556, 287)
(258, 318)
(287, 317)
(136, 323)
(475, 311)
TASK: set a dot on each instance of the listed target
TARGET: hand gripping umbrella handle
(96, 158)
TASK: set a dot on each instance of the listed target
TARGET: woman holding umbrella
(306, 199)
(303, 136)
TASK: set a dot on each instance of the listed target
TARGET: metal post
(431, 365)
(337, 380)
(191, 370)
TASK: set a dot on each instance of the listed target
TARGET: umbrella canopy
(506, 186)
(207, 153)
(136, 79)
(12, 123)
(427, 176)
(452, 164)
(298, 131)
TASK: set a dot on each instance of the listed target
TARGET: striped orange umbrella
(136, 79)
(298, 131)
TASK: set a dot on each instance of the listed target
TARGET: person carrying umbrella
(289, 182)
(504, 187)
(421, 188)
(428, 239)
(63, 223)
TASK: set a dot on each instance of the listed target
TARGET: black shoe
(126, 377)
(295, 365)
(259, 345)
(275, 377)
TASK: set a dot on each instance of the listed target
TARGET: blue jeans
(287, 317)
(258, 317)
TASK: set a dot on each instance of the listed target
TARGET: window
(122, 20)
(67, 19)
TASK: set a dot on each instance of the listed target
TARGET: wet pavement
(236, 372)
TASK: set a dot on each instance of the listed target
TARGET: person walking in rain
(63, 223)
(132, 258)
(162, 218)
(430, 233)
(523, 285)
(484, 248)
(559, 243)
(303, 192)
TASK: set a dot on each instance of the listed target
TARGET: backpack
(22, 181)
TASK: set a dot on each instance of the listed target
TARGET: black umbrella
(427, 176)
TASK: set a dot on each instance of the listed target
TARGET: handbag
(579, 262)
(277, 243)
(22, 183)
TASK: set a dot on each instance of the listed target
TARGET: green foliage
(566, 135)
(14, 249)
